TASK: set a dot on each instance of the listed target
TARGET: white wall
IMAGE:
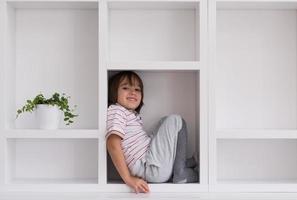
(258, 161)
(160, 35)
(64, 160)
(256, 69)
(168, 93)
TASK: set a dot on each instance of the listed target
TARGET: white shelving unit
(72, 47)
(253, 119)
(228, 67)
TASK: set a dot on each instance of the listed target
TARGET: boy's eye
(125, 88)
(138, 89)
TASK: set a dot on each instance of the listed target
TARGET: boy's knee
(174, 117)
(156, 174)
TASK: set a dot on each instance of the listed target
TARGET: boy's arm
(117, 156)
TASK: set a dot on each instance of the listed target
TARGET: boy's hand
(137, 184)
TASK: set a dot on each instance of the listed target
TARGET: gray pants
(157, 166)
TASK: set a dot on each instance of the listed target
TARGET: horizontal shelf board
(153, 4)
(61, 133)
(163, 187)
(260, 182)
(154, 1)
(85, 187)
(113, 188)
(56, 4)
(53, 181)
(189, 187)
(154, 65)
(256, 134)
(254, 186)
(257, 4)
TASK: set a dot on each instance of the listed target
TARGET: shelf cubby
(169, 92)
(154, 30)
(51, 47)
(256, 68)
(52, 161)
(256, 161)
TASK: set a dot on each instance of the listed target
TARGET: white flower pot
(48, 116)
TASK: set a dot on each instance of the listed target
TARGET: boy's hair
(115, 81)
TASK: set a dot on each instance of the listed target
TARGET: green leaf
(60, 100)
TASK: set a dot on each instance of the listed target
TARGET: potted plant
(48, 110)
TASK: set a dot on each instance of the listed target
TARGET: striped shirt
(128, 125)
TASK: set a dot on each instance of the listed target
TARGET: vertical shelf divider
(211, 64)
(2, 107)
(103, 59)
(9, 64)
(202, 91)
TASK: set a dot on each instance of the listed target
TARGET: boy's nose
(132, 91)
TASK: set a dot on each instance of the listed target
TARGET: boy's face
(129, 95)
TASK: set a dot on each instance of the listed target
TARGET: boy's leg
(193, 161)
(182, 174)
(161, 154)
(179, 165)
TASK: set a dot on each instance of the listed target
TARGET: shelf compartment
(66, 133)
(51, 47)
(256, 69)
(256, 134)
(52, 161)
(256, 161)
(169, 92)
(154, 31)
